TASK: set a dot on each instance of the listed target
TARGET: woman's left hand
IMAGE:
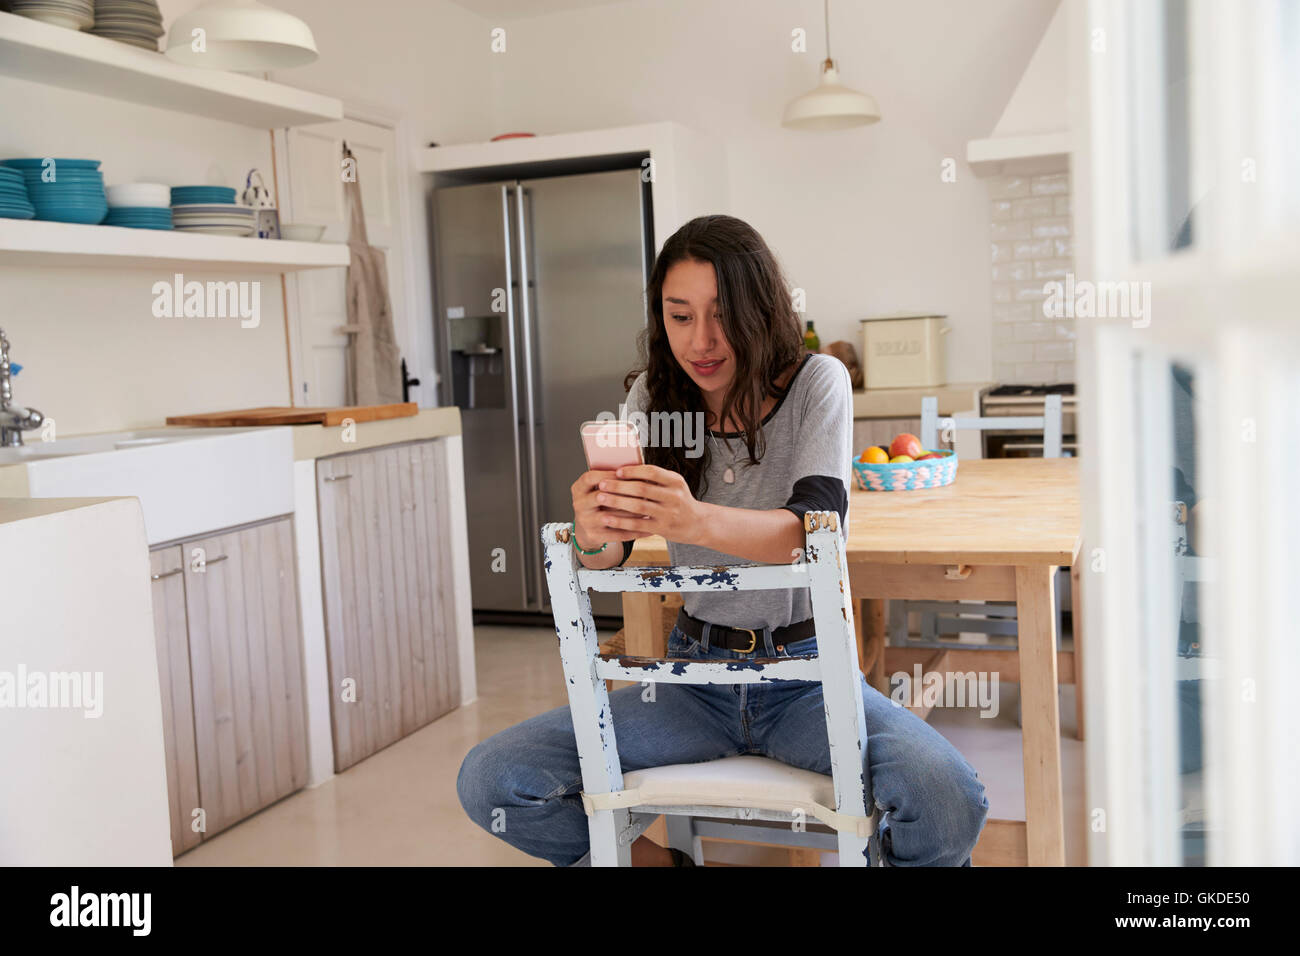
(662, 495)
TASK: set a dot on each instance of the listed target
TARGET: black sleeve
(818, 493)
(627, 553)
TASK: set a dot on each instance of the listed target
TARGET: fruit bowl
(907, 475)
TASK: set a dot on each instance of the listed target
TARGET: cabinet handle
(167, 574)
(219, 558)
(336, 477)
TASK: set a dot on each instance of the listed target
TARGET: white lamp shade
(241, 35)
(831, 106)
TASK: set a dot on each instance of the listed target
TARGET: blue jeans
(523, 784)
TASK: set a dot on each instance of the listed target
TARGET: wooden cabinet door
(171, 640)
(431, 526)
(246, 661)
(388, 600)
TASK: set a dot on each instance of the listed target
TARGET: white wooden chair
(730, 797)
(941, 616)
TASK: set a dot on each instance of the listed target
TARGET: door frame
(1221, 305)
(415, 337)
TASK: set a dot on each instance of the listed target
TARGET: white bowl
(139, 194)
(301, 232)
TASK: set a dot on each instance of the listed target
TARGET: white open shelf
(43, 53)
(63, 244)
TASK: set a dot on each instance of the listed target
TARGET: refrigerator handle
(524, 549)
(530, 393)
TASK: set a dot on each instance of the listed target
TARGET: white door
(315, 195)
(1190, 407)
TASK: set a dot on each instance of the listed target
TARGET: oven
(1010, 401)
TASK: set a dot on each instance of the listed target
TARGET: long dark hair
(758, 320)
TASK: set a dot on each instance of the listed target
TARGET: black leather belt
(742, 638)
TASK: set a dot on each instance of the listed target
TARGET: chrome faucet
(14, 420)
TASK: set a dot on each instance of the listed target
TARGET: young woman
(724, 341)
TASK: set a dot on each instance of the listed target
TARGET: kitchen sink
(189, 480)
(108, 441)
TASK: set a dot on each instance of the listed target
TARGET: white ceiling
(518, 9)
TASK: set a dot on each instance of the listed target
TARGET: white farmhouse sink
(189, 480)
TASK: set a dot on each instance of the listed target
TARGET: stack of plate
(211, 209)
(14, 203)
(63, 190)
(139, 206)
(136, 22)
(73, 14)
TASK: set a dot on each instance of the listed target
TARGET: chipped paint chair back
(744, 797)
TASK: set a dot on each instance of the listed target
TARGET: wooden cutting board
(286, 415)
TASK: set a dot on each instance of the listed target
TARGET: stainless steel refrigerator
(540, 297)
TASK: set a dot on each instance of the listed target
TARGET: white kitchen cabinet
(388, 592)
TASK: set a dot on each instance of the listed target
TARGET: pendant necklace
(729, 476)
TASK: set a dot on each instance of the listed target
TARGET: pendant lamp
(240, 35)
(831, 105)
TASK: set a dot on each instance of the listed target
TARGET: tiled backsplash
(1032, 243)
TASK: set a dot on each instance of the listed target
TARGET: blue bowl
(65, 182)
(111, 220)
(85, 202)
(87, 215)
(38, 163)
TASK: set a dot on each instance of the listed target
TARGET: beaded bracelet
(573, 536)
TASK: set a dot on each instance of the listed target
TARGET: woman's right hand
(589, 517)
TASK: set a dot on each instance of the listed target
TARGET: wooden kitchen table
(998, 533)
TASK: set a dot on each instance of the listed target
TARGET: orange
(875, 455)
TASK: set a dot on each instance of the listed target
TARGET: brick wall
(1032, 243)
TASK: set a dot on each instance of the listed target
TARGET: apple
(900, 458)
(929, 455)
(905, 444)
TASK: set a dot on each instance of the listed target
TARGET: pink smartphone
(611, 445)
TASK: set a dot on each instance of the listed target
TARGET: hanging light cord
(826, 16)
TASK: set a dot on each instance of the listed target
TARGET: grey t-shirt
(809, 433)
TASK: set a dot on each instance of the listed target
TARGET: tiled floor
(399, 806)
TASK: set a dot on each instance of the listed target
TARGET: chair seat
(746, 781)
